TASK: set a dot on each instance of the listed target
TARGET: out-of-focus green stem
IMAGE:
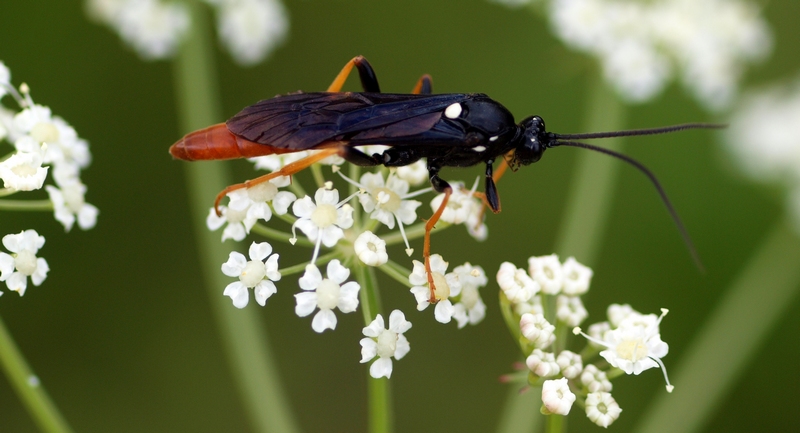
(44, 413)
(588, 204)
(728, 340)
(592, 190)
(246, 344)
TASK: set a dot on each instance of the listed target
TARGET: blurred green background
(121, 333)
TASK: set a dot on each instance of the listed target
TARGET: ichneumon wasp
(449, 130)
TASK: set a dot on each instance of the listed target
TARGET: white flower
(415, 174)
(277, 161)
(516, 284)
(153, 28)
(385, 343)
(461, 206)
(370, 249)
(248, 205)
(69, 205)
(388, 201)
(546, 270)
(570, 310)
(542, 364)
(570, 363)
(534, 306)
(324, 218)
(617, 313)
(236, 228)
(602, 409)
(470, 308)
(251, 29)
(577, 277)
(15, 268)
(557, 397)
(38, 125)
(256, 274)
(446, 286)
(326, 294)
(595, 380)
(537, 329)
(636, 345)
(23, 171)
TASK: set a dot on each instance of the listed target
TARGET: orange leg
(368, 80)
(426, 249)
(287, 170)
(424, 86)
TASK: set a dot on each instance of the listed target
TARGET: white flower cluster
(764, 138)
(250, 29)
(43, 144)
(349, 229)
(641, 45)
(631, 340)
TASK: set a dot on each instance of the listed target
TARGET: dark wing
(306, 120)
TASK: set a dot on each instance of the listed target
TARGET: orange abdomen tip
(217, 142)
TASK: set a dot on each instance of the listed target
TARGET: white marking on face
(493, 138)
(479, 148)
(452, 111)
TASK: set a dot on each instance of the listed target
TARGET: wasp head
(531, 142)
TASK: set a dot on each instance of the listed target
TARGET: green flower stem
(319, 178)
(33, 396)
(556, 424)
(729, 339)
(7, 191)
(587, 209)
(397, 272)
(26, 205)
(413, 232)
(242, 334)
(321, 260)
(379, 397)
(280, 236)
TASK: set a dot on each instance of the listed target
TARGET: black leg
(357, 157)
(368, 79)
(424, 86)
(492, 196)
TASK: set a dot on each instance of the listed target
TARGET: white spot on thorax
(479, 148)
(452, 111)
(493, 138)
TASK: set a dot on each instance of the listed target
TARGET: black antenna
(674, 214)
(631, 132)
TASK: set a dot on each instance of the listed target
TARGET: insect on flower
(450, 130)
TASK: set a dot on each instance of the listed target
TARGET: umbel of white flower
(641, 45)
